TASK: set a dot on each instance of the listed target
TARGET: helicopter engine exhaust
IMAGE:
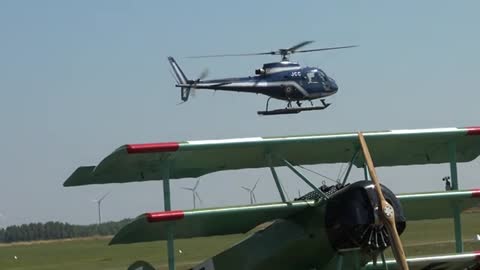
(351, 220)
(260, 71)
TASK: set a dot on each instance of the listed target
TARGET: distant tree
(57, 230)
(2, 235)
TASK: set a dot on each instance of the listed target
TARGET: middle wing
(232, 220)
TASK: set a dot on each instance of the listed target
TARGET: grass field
(420, 238)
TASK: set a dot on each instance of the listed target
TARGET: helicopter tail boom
(181, 79)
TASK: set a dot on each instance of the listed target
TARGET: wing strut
(452, 152)
(275, 177)
(350, 165)
(168, 207)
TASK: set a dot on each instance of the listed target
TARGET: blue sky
(78, 79)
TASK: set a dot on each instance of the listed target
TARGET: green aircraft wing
(436, 205)
(450, 262)
(233, 220)
(205, 222)
(153, 161)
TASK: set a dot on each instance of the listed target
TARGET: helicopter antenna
(284, 53)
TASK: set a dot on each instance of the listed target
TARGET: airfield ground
(421, 238)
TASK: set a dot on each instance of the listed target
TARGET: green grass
(95, 254)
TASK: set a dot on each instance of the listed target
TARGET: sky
(80, 78)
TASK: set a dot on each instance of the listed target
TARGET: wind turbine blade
(255, 184)
(104, 196)
(194, 200)
(198, 196)
(246, 188)
(196, 184)
(254, 198)
(186, 188)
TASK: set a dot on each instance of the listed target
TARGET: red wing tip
(473, 130)
(165, 216)
(152, 147)
(476, 193)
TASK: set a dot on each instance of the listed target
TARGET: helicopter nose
(333, 85)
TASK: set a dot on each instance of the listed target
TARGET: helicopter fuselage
(281, 80)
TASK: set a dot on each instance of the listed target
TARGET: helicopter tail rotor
(187, 86)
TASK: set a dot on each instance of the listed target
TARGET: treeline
(57, 230)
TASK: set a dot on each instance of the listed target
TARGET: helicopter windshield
(315, 76)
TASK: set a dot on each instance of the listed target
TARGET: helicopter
(284, 80)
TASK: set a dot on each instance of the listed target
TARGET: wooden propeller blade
(387, 211)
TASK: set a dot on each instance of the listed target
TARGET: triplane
(283, 80)
(344, 226)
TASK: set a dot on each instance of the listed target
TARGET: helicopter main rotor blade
(228, 55)
(387, 213)
(283, 52)
(299, 45)
(327, 49)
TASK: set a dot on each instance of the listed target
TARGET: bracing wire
(319, 174)
(340, 172)
(285, 192)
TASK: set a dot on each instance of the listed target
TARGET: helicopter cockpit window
(315, 76)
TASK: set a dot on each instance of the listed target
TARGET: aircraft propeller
(385, 211)
(283, 52)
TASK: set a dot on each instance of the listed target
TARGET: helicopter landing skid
(293, 110)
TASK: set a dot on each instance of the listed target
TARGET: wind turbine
(195, 194)
(251, 192)
(99, 202)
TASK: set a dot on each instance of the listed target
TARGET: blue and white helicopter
(283, 80)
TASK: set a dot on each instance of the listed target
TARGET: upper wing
(142, 162)
(450, 262)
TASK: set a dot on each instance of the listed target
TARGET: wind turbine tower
(99, 203)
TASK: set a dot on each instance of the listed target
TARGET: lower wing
(465, 261)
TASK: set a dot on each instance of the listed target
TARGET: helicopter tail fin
(180, 78)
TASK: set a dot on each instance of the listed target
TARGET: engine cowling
(350, 218)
